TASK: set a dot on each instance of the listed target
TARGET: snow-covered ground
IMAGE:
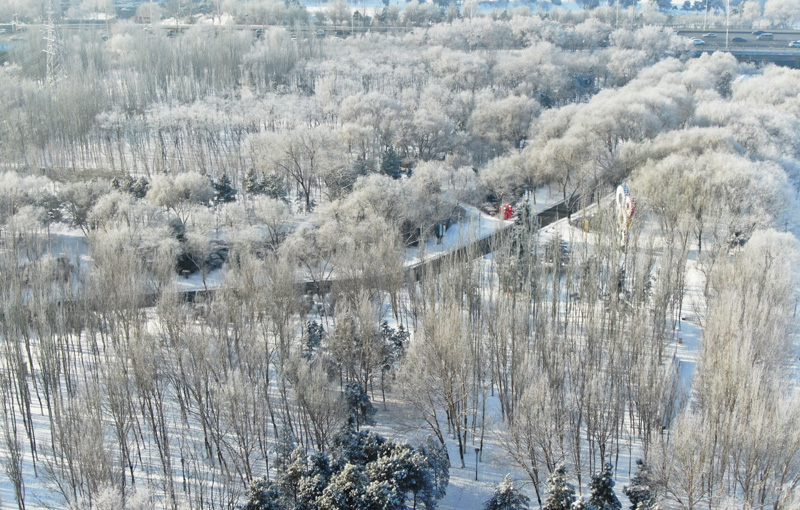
(394, 422)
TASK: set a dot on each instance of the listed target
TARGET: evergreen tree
(399, 339)
(601, 489)
(136, 187)
(263, 495)
(390, 163)
(349, 446)
(313, 338)
(360, 168)
(438, 462)
(359, 408)
(311, 485)
(347, 489)
(291, 478)
(582, 505)
(394, 345)
(252, 184)
(507, 497)
(560, 495)
(283, 449)
(723, 85)
(396, 472)
(364, 471)
(52, 204)
(139, 188)
(642, 492)
(223, 191)
(273, 186)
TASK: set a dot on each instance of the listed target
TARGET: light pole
(477, 450)
(727, 23)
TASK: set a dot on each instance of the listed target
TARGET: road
(781, 40)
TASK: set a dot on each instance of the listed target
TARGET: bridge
(416, 272)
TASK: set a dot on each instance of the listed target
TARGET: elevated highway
(746, 46)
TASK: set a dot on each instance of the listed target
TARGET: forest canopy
(206, 234)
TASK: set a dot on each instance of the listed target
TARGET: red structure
(507, 211)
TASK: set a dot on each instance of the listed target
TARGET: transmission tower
(53, 47)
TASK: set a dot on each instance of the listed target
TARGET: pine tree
(642, 492)
(396, 472)
(263, 495)
(347, 489)
(507, 497)
(313, 338)
(364, 471)
(349, 446)
(291, 478)
(284, 447)
(223, 191)
(273, 186)
(140, 187)
(359, 408)
(438, 462)
(582, 505)
(560, 495)
(602, 490)
(390, 163)
(136, 187)
(314, 479)
(252, 185)
(383, 495)
(394, 344)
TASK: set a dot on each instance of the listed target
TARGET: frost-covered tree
(223, 191)
(272, 214)
(438, 464)
(300, 156)
(782, 13)
(507, 497)
(252, 184)
(136, 187)
(581, 504)
(313, 336)
(359, 408)
(601, 489)
(78, 199)
(642, 492)
(437, 376)
(181, 193)
(347, 489)
(560, 494)
(284, 446)
(364, 471)
(390, 163)
(506, 121)
(263, 495)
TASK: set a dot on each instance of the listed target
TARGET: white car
(698, 42)
(794, 44)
